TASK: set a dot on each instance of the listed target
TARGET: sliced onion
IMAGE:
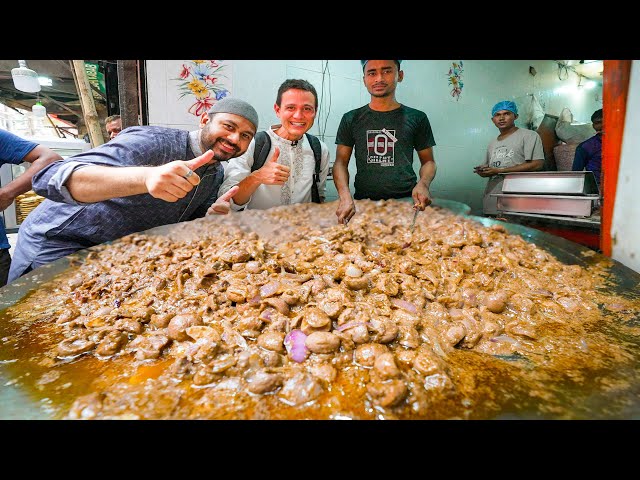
(296, 348)
(404, 305)
(255, 300)
(347, 325)
(267, 313)
(505, 338)
(269, 289)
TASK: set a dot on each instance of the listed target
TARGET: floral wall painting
(202, 82)
(179, 91)
(455, 79)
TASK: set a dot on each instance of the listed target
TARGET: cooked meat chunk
(282, 313)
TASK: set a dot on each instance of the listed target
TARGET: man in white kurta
(287, 174)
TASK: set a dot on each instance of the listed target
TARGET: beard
(218, 154)
(223, 155)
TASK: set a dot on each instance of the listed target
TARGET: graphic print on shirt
(381, 147)
(499, 155)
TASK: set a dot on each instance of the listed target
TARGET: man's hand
(421, 196)
(486, 171)
(272, 173)
(174, 180)
(222, 205)
(346, 209)
(5, 199)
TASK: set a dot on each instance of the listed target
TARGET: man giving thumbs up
(145, 177)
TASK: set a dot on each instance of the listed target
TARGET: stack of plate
(25, 203)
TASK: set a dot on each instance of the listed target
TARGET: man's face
(381, 77)
(114, 128)
(504, 119)
(597, 125)
(296, 112)
(227, 134)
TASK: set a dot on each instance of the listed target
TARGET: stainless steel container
(547, 204)
(562, 183)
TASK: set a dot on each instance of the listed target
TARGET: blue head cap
(504, 105)
(364, 62)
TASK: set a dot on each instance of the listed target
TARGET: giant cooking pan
(16, 403)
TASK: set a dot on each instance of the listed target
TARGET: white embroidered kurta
(297, 189)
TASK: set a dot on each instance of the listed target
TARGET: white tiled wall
(462, 128)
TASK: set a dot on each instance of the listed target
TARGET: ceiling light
(25, 79)
(39, 110)
(45, 81)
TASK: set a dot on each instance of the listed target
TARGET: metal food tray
(566, 183)
(548, 204)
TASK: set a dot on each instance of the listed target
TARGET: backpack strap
(317, 154)
(261, 151)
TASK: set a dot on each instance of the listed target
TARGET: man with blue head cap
(513, 150)
(145, 177)
(384, 133)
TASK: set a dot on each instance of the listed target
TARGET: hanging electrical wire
(326, 116)
(323, 109)
(563, 71)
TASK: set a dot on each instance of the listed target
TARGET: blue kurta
(60, 225)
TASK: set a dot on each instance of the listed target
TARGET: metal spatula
(413, 222)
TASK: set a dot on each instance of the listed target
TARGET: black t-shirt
(384, 144)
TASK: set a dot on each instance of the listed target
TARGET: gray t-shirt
(521, 146)
(384, 144)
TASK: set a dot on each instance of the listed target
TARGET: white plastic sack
(531, 113)
(536, 112)
(572, 133)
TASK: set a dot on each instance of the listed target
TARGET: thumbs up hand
(222, 205)
(272, 173)
(174, 180)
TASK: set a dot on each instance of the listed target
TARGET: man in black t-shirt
(384, 133)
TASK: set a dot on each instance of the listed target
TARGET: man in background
(150, 176)
(513, 150)
(384, 133)
(16, 150)
(287, 175)
(113, 124)
(588, 154)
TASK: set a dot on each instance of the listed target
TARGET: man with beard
(385, 133)
(145, 177)
(514, 150)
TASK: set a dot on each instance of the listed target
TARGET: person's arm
(529, 166)
(95, 183)
(39, 158)
(421, 194)
(579, 159)
(271, 173)
(346, 206)
(487, 156)
(532, 152)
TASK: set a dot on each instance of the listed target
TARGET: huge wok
(16, 402)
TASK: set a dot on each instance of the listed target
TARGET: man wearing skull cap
(145, 177)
